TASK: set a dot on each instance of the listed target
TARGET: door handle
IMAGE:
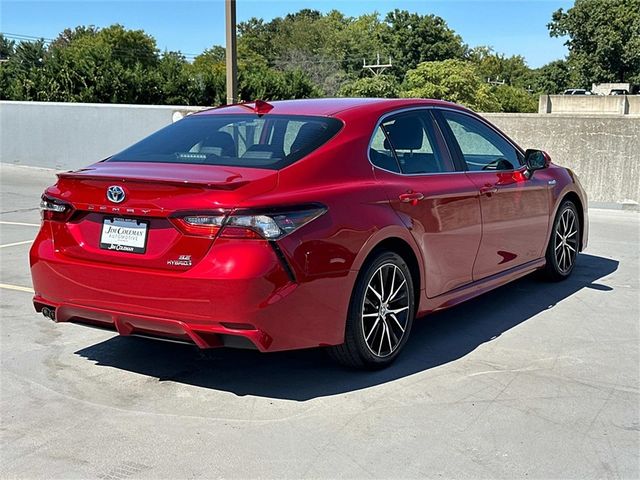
(412, 197)
(488, 190)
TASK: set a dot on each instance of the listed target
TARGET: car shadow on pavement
(301, 375)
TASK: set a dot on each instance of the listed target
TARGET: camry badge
(115, 194)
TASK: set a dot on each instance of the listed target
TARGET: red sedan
(308, 223)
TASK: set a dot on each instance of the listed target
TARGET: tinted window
(481, 147)
(271, 141)
(408, 138)
(381, 154)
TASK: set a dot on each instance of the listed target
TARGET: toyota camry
(305, 223)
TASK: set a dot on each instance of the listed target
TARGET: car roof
(329, 106)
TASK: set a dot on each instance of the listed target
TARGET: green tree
(604, 39)
(111, 65)
(22, 76)
(264, 83)
(512, 70)
(454, 80)
(380, 86)
(552, 78)
(361, 38)
(207, 78)
(306, 40)
(515, 99)
(331, 47)
(6, 47)
(173, 79)
(412, 38)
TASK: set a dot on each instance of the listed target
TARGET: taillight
(54, 210)
(200, 225)
(271, 224)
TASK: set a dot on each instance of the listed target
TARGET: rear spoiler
(232, 182)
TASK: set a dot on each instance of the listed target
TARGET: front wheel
(564, 243)
(380, 314)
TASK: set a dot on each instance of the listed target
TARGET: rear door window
(410, 140)
(380, 152)
(270, 141)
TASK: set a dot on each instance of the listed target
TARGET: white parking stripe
(15, 244)
(16, 287)
(20, 223)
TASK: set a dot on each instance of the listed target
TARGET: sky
(511, 27)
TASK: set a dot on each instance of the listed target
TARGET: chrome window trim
(432, 107)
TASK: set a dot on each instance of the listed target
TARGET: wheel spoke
(393, 281)
(567, 258)
(378, 296)
(398, 310)
(381, 285)
(397, 322)
(388, 330)
(384, 326)
(375, 324)
(397, 290)
(573, 220)
(367, 315)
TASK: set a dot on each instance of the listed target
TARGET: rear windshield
(271, 141)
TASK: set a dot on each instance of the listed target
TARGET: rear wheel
(564, 243)
(380, 314)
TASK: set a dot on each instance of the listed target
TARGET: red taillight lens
(54, 210)
(201, 225)
(269, 225)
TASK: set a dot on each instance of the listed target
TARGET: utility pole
(378, 68)
(231, 56)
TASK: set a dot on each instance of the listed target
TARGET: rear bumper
(241, 296)
(203, 335)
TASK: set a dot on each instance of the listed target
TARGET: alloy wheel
(566, 241)
(385, 310)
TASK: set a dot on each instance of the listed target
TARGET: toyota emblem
(115, 194)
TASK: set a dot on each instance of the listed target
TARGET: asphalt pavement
(535, 380)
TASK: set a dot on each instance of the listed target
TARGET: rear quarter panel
(359, 215)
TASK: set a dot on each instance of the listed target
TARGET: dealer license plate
(124, 235)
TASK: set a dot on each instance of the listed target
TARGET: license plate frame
(127, 239)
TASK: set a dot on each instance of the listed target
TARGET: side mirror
(536, 160)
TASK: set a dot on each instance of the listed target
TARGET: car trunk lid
(139, 230)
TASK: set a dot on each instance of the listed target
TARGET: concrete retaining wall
(590, 104)
(604, 150)
(73, 135)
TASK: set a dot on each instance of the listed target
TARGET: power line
(18, 36)
(120, 52)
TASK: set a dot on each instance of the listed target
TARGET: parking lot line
(14, 244)
(2, 222)
(6, 286)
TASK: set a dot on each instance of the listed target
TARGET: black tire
(563, 247)
(381, 346)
